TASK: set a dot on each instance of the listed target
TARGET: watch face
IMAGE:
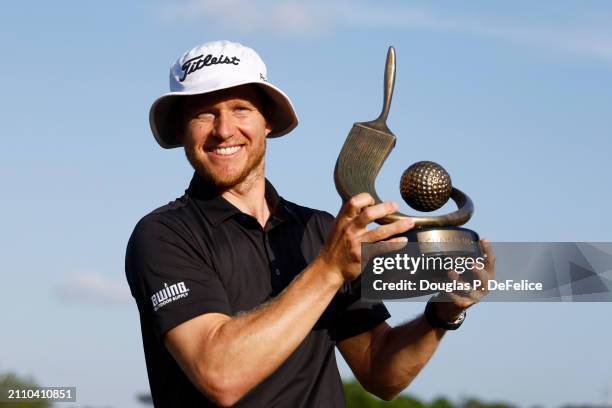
(460, 319)
(457, 323)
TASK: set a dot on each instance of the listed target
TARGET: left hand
(449, 305)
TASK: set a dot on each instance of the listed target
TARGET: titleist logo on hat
(199, 62)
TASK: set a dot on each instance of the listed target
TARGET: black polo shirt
(200, 254)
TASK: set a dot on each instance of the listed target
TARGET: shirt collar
(217, 209)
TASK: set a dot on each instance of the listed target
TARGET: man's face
(224, 135)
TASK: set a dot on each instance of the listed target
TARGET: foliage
(12, 381)
(474, 403)
(357, 397)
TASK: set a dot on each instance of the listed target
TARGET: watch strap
(434, 320)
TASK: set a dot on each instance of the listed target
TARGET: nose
(224, 125)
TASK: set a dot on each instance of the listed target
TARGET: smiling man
(224, 136)
(243, 295)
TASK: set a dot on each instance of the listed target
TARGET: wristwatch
(435, 321)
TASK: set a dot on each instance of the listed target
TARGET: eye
(242, 109)
(205, 115)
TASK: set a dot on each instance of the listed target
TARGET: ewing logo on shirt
(169, 294)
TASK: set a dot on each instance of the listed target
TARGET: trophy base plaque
(426, 260)
(445, 241)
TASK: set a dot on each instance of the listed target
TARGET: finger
(453, 275)
(375, 212)
(387, 246)
(355, 204)
(487, 249)
(468, 297)
(460, 298)
(480, 275)
(382, 248)
(400, 240)
(386, 231)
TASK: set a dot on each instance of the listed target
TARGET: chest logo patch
(169, 294)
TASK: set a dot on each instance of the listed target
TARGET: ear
(269, 116)
(268, 128)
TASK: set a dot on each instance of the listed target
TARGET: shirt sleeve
(351, 315)
(170, 276)
(355, 315)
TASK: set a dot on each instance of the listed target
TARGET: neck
(250, 196)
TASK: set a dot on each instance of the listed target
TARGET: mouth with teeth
(224, 150)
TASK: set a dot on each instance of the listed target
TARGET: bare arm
(225, 357)
(385, 360)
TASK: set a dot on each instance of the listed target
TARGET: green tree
(357, 397)
(12, 381)
(474, 403)
(441, 402)
(404, 401)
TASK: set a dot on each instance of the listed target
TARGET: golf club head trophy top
(425, 186)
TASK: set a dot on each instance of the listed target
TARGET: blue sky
(512, 98)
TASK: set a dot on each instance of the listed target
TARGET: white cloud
(290, 17)
(94, 288)
(589, 41)
(314, 18)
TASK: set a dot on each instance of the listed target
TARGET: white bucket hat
(211, 67)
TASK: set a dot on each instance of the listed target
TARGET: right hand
(342, 250)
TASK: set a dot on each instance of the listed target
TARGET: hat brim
(163, 116)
